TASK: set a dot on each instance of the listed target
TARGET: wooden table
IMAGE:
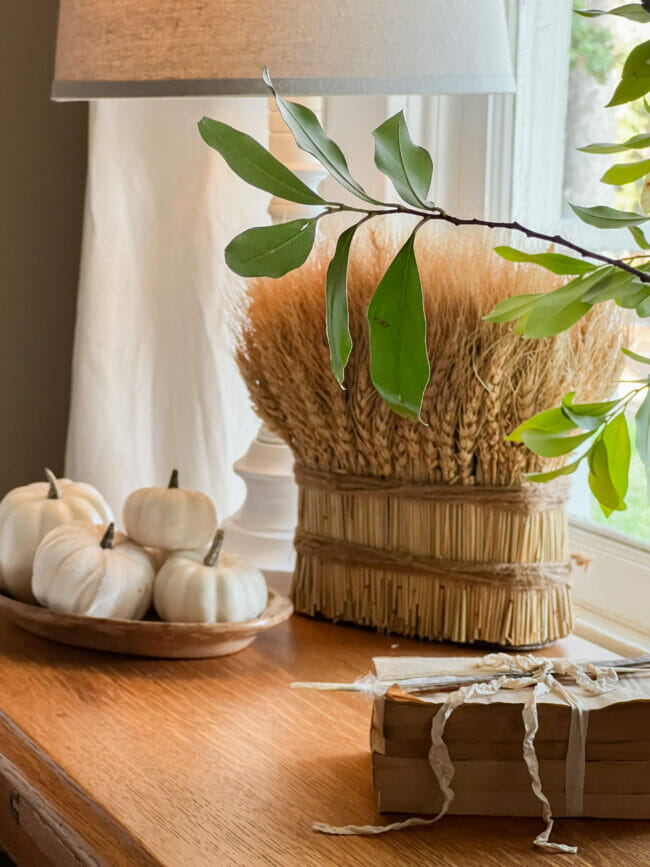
(122, 761)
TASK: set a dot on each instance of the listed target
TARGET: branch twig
(438, 214)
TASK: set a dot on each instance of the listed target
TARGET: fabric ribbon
(526, 671)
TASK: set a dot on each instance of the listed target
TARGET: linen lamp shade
(148, 48)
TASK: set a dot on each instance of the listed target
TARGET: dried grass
(485, 380)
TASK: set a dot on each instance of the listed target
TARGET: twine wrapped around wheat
(426, 529)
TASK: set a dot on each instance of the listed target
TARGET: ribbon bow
(516, 673)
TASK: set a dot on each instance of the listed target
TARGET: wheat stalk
(485, 380)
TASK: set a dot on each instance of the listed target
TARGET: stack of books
(485, 737)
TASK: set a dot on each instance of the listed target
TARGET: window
(597, 49)
(558, 108)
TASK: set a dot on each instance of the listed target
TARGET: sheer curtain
(154, 381)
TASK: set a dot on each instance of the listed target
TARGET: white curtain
(154, 381)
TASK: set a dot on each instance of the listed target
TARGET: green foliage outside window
(592, 46)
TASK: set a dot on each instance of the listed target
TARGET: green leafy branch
(596, 433)
(399, 365)
(603, 439)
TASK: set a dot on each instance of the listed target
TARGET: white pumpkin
(28, 513)
(194, 587)
(83, 568)
(170, 518)
(158, 557)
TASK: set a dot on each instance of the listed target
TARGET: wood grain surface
(218, 762)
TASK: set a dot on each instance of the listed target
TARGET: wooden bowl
(146, 637)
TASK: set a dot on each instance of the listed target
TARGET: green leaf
(550, 421)
(635, 77)
(336, 294)
(637, 63)
(612, 283)
(399, 365)
(254, 164)
(521, 324)
(631, 294)
(631, 11)
(643, 433)
(310, 137)
(628, 90)
(609, 466)
(271, 251)
(643, 430)
(604, 217)
(566, 470)
(558, 263)
(512, 308)
(552, 445)
(588, 416)
(599, 480)
(557, 311)
(643, 308)
(408, 166)
(637, 142)
(635, 356)
(639, 237)
(630, 300)
(626, 173)
(600, 408)
(616, 438)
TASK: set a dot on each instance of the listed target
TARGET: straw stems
(485, 380)
(432, 607)
(440, 607)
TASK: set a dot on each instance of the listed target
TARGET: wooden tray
(146, 637)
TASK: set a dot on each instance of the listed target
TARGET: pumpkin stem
(173, 482)
(107, 538)
(55, 491)
(212, 557)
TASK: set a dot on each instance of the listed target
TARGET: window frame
(613, 609)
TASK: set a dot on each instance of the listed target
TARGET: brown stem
(107, 538)
(212, 557)
(540, 236)
(173, 481)
(54, 492)
(439, 214)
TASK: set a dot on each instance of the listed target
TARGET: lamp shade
(122, 48)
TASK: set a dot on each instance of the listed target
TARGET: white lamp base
(262, 530)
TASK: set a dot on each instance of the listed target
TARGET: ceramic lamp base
(263, 529)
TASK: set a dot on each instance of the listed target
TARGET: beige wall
(42, 176)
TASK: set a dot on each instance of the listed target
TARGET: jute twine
(527, 498)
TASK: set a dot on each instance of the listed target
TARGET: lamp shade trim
(63, 91)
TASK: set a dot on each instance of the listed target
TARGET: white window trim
(613, 599)
(613, 595)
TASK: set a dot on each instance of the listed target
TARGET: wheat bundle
(425, 529)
